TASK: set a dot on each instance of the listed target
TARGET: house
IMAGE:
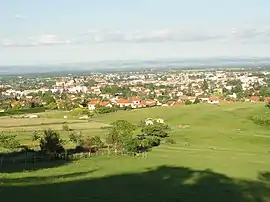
(203, 98)
(179, 103)
(254, 99)
(93, 103)
(213, 100)
(136, 102)
(149, 103)
(170, 103)
(124, 102)
(105, 104)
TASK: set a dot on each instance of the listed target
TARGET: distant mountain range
(135, 65)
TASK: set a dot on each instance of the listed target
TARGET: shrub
(23, 111)
(267, 105)
(51, 142)
(188, 102)
(153, 141)
(261, 120)
(65, 127)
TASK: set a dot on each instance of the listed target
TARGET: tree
(205, 85)
(267, 105)
(197, 100)
(188, 102)
(50, 142)
(265, 91)
(93, 144)
(52, 106)
(156, 129)
(76, 138)
(120, 133)
(65, 127)
(9, 142)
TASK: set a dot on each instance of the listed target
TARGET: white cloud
(44, 40)
(239, 35)
(244, 35)
(20, 16)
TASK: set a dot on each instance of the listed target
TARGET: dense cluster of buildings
(150, 88)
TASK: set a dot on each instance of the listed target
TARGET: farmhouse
(93, 103)
(213, 100)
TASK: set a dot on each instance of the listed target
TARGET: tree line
(122, 138)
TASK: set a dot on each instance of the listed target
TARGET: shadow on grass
(28, 161)
(30, 166)
(159, 184)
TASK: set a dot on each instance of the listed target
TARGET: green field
(220, 155)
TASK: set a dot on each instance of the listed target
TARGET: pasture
(220, 155)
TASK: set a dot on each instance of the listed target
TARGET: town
(108, 92)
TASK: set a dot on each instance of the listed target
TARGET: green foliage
(93, 143)
(52, 106)
(51, 142)
(188, 102)
(123, 126)
(65, 127)
(9, 141)
(156, 129)
(197, 101)
(23, 111)
(205, 85)
(120, 135)
(261, 120)
(131, 144)
(80, 112)
(265, 91)
(104, 110)
(124, 91)
(76, 138)
(153, 141)
(267, 105)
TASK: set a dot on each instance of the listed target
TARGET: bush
(65, 127)
(261, 120)
(188, 102)
(267, 105)
(23, 111)
(51, 142)
(153, 141)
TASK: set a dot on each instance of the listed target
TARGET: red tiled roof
(213, 98)
(103, 104)
(255, 98)
(123, 101)
(135, 99)
(179, 103)
(93, 102)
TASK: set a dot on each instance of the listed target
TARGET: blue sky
(51, 31)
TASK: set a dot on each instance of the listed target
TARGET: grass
(228, 159)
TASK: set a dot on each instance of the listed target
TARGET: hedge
(23, 111)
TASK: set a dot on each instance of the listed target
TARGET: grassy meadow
(220, 155)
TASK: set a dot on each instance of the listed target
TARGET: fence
(35, 157)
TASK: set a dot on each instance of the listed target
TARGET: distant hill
(123, 65)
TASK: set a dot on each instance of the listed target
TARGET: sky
(64, 31)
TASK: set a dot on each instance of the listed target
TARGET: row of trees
(120, 139)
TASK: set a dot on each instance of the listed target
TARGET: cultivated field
(220, 155)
